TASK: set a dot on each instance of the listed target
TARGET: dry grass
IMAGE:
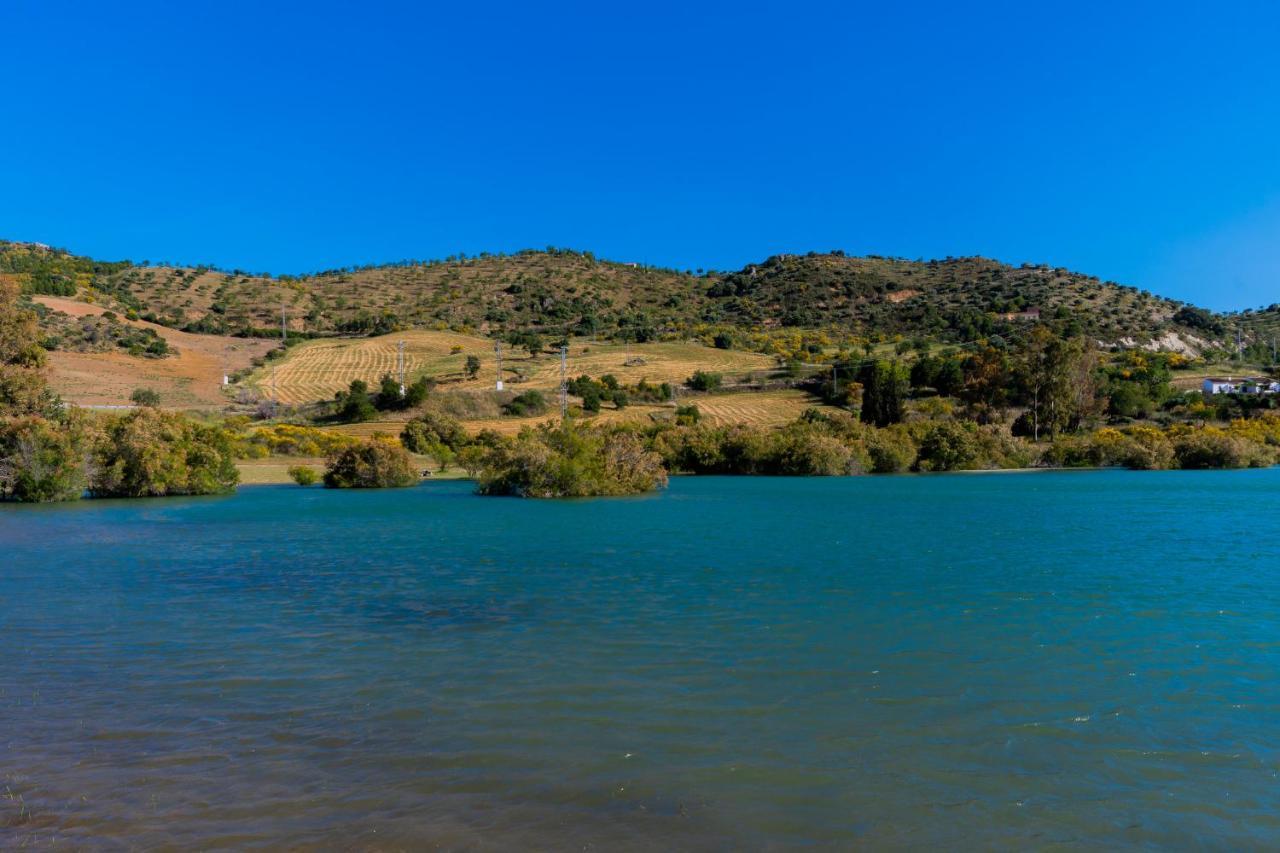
(191, 379)
(318, 369)
(766, 409)
(275, 470)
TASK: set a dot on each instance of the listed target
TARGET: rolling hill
(561, 291)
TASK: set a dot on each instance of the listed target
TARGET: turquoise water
(1013, 660)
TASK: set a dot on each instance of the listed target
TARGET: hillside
(188, 377)
(561, 291)
(958, 298)
(316, 370)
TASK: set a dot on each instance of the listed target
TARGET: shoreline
(273, 471)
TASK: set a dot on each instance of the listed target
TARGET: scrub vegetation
(801, 365)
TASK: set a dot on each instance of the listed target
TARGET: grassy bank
(275, 470)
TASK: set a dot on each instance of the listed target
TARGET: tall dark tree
(885, 385)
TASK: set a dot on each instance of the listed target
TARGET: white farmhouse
(1220, 386)
(1240, 386)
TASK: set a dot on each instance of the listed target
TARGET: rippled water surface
(978, 660)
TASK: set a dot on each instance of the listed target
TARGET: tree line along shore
(1047, 399)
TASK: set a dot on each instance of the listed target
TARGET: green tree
(885, 385)
(354, 404)
(471, 458)
(568, 460)
(472, 367)
(43, 461)
(23, 390)
(389, 396)
(152, 453)
(373, 464)
(948, 446)
(1057, 376)
(431, 428)
(416, 394)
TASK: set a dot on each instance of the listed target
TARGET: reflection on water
(1000, 660)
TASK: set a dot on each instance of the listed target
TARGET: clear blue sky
(1135, 141)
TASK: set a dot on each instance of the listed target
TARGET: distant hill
(558, 291)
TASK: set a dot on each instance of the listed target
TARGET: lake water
(1015, 660)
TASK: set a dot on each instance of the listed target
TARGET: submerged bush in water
(571, 461)
(151, 453)
(1214, 448)
(43, 461)
(430, 429)
(303, 475)
(373, 464)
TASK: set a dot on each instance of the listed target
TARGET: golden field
(316, 370)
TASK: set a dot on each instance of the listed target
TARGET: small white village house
(1262, 385)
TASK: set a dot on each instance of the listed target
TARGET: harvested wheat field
(316, 370)
(766, 408)
(191, 379)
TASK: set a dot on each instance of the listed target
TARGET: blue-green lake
(1003, 660)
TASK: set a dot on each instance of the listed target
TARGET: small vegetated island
(963, 364)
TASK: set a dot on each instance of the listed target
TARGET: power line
(564, 383)
(400, 364)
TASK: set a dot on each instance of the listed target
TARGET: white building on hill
(1263, 385)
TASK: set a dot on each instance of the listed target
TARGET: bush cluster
(569, 460)
(373, 464)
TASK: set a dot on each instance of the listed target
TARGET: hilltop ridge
(562, 291)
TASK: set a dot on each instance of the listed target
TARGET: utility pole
(400, 364)
(284, 328)
(835, 380)
(497, 351)
(564, 383)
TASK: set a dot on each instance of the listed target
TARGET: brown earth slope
(190, 379)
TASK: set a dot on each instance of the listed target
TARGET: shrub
(688, 414)
(891, 450)
(145, 397)
(806, 451)
(1147, 449)
(948, 446)
(43, 461)
(374, 464)
(303, 475)
(1213, 448)
(471, 458)
(703, 381)
(528, 404)
(571, 461)
(291, 440)
(151, 453)
(432, 428)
